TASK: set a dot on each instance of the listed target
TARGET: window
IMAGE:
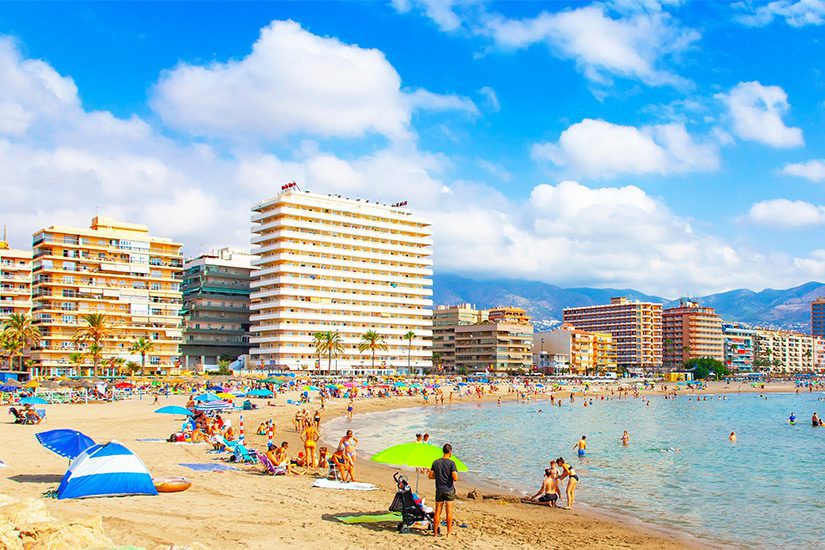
(154, 360)
(69, 319)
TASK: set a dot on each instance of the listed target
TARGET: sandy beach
(245, 509)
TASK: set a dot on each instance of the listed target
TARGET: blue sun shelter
(107, 470)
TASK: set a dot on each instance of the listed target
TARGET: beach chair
(269, 467)
(333, 472)
(242, 454)
(412, 511)
(19, 418)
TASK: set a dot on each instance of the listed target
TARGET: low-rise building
(739, 347)
(445, 320)
(690, 331)
(504, 346)
(782, 351)
(586, 352)
(216, 289)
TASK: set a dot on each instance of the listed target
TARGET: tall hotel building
(329, 263)
(818, 317)
(690, 331)
(113, 268)
(636, 328)
(15, 281)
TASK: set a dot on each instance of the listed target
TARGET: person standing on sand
(572, 480)
(310, 437)
(350, 408)
(445, 474)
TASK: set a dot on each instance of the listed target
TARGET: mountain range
(788, 308)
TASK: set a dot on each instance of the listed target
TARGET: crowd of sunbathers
(28, 415)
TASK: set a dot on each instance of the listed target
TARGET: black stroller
(411, 512)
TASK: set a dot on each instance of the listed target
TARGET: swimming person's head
(584, 437)
(447, 449)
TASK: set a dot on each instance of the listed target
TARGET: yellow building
(114, 268)
(586, 352)
(15, 281)
(329, 263)
(445, 321)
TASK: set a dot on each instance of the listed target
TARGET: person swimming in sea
(732, 437)
(625, 439)
(816, 421)
(581, 446)
(792, 419)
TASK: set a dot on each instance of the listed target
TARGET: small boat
(172, 484)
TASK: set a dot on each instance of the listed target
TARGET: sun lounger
(241, 454)
(269, 467)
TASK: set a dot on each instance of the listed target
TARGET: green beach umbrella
(414, 455)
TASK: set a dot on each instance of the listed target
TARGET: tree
(142, 346)
(373, 342)
(10, 347)
(118, 364)
(98, 328)
(318, 341)
(437, 360)
(409, 337)
(328, 343)
(702, 367)
(132, 366)
(21, 327)
(223, 367)
(77, 359)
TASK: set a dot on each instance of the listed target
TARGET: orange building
(690, 331)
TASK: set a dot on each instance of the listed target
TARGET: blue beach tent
(106, 470)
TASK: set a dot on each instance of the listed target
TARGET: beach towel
(151, 440)
(208, 467)
(351, 486)
(370, 518)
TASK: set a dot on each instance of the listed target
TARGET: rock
(76, 535)
(25, 514)
(9, 536)
(473, 495)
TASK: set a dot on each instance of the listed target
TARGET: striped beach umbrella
(240, 431)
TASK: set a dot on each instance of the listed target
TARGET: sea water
(679, 470)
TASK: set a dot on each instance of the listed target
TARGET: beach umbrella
(172, 409)
(207, 397)
(414, 455)
(31, 384)
(348, 384)
(33, 401)
(12, 382)
(9, 389)
(310, 388)
(224, 395)
(332, 387)
(66, 443)
(215, 388)
(259, 393)
(123, 385)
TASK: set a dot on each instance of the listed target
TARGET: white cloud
(799, 13)
(813, 170)
(633, 46)
(294, 82)
(600, 149)
(756, 112)
(784, 213)
(491, 99)
(442, 12)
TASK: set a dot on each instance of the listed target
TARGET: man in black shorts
(444, 472)
(549, 492)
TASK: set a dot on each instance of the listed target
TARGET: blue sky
(673, 147)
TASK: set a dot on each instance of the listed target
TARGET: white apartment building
(328, 263)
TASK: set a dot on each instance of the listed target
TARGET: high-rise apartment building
(445, 321)
(739, 347)
(587, 353)
(787, 351)
(636, 328)
(818, 317)
(690, 331)
(113, 268)
(15, 281)
(502, 346)
(216, 289)
(329, 263)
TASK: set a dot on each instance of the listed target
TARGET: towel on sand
(370, 518)
(208, 467)
(351, 486)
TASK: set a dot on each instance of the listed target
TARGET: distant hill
(789, 308)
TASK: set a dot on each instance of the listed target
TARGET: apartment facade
(818, 317)
(113, 268)
(503, 346)
(739, 347)
(587, 353)
(636, 329)
(445, 320)
(329, 263)
(690, 331)
(782, 351)
(216, 289)
(15, 281)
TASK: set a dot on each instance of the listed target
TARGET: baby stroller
(410, 505)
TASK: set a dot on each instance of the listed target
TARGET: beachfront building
(329, 263)
(445, 320)
(783, 351)
(690, 331)
(112, 268)
(739, 347)
(587, 353)
(635, 326)
(504, 345)
(818, 317)
(15, 281)
(216, 289)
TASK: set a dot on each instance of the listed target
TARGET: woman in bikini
(310, 437)
(347, 446)
(572, 480)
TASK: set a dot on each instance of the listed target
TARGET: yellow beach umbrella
(224, 395)
(32, 384)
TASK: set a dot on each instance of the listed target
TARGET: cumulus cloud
(813, 170)
(600, 149)
(442, 12)
(787, 214)
(632, 46)
(756, 113)
(799, 13)
(294, 82)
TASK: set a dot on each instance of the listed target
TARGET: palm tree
(328, 343)
(97, 329)
(21, 327)
(142, 346)
(318, 340)
(10, 347)
(372, 341)
(437, 360)
(118, 364)
(77, 359)
(409, 336)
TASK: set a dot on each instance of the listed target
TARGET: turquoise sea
(679, 471)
